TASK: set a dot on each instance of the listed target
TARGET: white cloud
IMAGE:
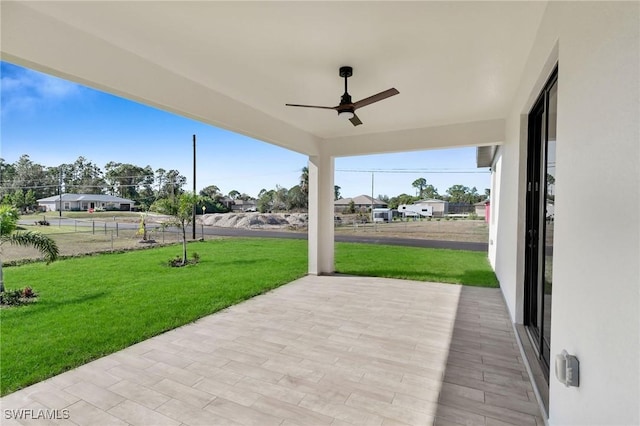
(26, 90)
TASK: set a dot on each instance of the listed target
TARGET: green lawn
(412, 263)
(92, 306)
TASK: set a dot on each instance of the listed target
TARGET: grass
(72, 242)
(92, 306)
(412, 263)
(89, 307)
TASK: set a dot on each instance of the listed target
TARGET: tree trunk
(184, 244)
(1, 278)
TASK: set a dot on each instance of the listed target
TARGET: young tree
(180, 209)
(8, 234)
(336, 192)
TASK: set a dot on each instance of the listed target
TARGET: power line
(414, 171)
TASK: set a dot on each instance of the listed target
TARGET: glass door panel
(541, 179)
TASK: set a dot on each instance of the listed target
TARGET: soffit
(453, 62)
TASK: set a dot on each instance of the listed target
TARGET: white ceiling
(235, 64)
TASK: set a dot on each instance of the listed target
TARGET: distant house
(481, 208)
(244, 206)
(78, 202)
(439, 208)
(227, 202)
(361, 203)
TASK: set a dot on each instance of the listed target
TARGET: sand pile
(256, 220)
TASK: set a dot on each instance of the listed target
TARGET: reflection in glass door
(541, 179)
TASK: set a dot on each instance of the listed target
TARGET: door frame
(534, 261)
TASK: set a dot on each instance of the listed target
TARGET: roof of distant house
(87, 197)
(429, 200)
(363, 200)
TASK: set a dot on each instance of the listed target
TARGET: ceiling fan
(347, 109)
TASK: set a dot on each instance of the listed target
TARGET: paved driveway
(319, 351)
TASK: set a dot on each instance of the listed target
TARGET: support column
(321, 215)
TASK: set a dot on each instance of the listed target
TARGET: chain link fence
(78, 236)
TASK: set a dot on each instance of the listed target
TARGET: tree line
(456, 194)
(24, 181)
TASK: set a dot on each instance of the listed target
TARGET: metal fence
(77, 236)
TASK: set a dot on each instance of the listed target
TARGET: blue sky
(55, 121)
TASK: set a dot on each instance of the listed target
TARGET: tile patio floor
(318, 351)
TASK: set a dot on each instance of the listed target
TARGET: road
(238, 232)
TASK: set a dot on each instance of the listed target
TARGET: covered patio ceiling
(234, 65)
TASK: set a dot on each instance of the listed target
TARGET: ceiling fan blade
(355, 120)
(375, 98)
(311, 106)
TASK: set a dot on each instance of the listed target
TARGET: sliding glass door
(541, 179)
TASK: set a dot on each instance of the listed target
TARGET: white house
(551, 87)
(76, 202)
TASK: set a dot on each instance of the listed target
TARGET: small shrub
(472, 216)
(17, 297)
(28, 292)
(176, 262)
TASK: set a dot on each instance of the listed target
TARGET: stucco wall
(496, 169)
(596, 293)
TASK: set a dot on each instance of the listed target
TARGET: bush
(176, 262)
(17, 297)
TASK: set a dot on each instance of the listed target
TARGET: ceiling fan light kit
(347, 115)
(347, 109)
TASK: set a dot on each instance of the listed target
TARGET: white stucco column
(321, 246)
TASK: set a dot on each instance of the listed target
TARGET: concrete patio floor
(319, 351)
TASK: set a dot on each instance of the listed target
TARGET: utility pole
(60, 192)
(372, 217)
(193, 217)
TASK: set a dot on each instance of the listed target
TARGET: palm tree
(8, 234)
(304, 180)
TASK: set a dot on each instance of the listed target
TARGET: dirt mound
(256, 220)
